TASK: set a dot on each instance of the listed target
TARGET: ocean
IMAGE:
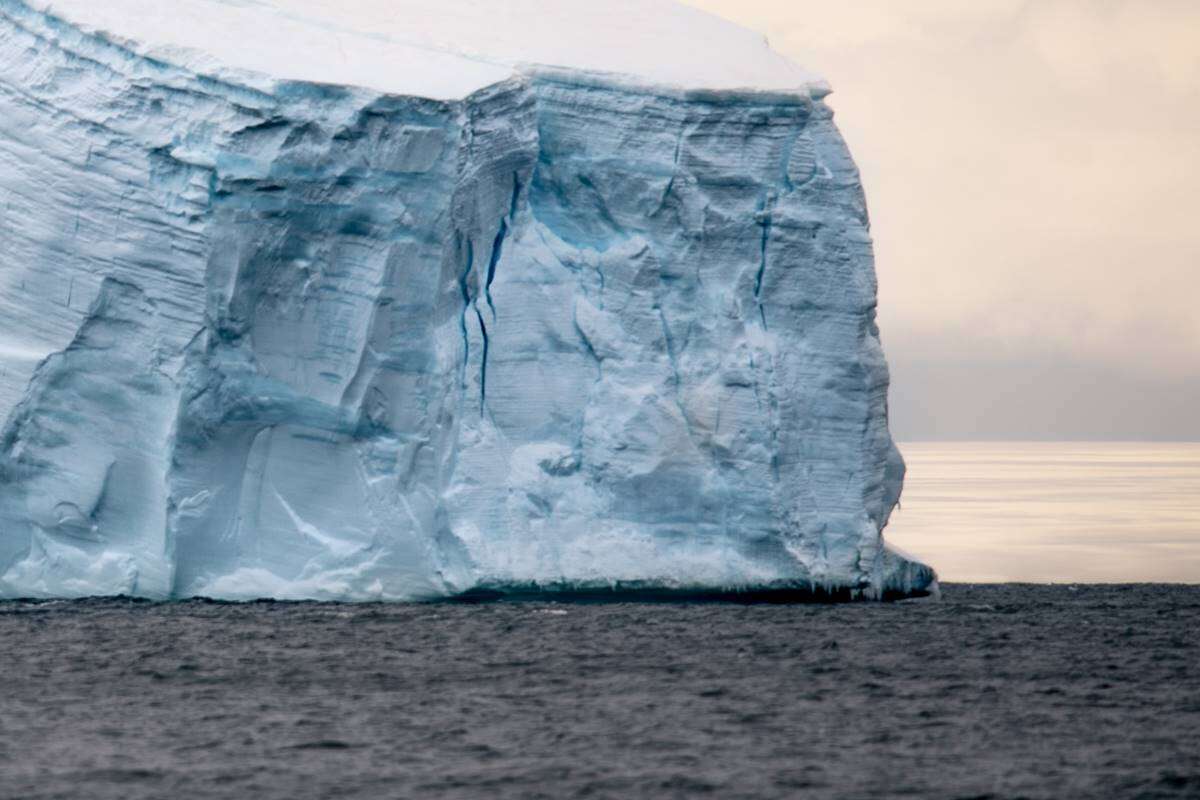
(994, 691)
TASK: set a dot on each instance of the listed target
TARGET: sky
(1033, 173)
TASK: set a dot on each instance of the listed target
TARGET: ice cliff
(403, 299)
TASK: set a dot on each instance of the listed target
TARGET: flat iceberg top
(442, 49)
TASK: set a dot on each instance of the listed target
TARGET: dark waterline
(996, 690)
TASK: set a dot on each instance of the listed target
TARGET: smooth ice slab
(274, 321)
(440, 49)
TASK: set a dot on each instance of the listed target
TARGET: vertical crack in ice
(497, 249)
(765, 212)
(493, 262)
(498, 242)
(483, 362)
(666, 193)
(587, 344)
(466, 298)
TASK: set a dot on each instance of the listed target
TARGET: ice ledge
(786, 593)
(813, 90)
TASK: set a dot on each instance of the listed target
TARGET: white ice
(368, 300)
(440, 49)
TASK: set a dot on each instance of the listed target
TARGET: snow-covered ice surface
(443, 49)
(398, 300)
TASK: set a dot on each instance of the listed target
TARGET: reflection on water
(1052, 512)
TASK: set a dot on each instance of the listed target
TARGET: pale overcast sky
(1033, 170)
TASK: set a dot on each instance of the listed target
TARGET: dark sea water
(994, 691)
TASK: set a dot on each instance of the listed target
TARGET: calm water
(996, 691)
(1053, 512)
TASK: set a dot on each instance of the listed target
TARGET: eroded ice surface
(399, 305)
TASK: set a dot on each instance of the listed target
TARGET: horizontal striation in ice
(568, 332)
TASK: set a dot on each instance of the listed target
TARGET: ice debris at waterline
(300, 301)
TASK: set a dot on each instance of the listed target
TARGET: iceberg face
(262, 336)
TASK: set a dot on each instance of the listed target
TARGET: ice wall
(300, 340)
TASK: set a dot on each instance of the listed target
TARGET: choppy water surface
(1044, 512)
(997, 691)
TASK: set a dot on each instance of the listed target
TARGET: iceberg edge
(315, 342)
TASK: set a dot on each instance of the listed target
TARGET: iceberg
(404, 299)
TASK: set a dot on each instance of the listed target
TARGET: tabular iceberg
(411, 298)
